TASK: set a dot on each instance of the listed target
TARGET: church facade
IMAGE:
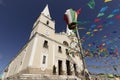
(47, 55)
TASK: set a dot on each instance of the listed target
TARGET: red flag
(97, 20)
(78, 11)
(65, 18)
(99, 26)
(117, 17)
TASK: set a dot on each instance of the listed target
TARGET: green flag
(100, 14)
(91, 4)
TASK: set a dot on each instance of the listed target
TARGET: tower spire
(46, 12)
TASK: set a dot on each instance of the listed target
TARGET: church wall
(62, 37)
(50, 54)
(44, 20)
(36, 56)
(45, 30)
(60, 55)
(45, 26)
(34, 31)
(16, 64)
(40, 51)
(76, 59)
(28, 54)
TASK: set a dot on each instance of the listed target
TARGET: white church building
(47, 55)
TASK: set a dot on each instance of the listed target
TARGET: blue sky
(17, 18)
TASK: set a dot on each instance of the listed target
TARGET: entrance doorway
(68, 67)
(59, 67)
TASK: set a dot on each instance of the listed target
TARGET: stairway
(44, 77)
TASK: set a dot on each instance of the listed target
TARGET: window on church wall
(67, 53)
(65, 43)
(47, 22)
(45, 45)
(59, 49)
(44, 59)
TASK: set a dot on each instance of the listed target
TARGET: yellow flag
(88, 33)
(107, 0)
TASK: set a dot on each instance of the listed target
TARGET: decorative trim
(41, 23)
(55, 41)
(33, 51)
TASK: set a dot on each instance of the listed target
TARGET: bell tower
(44, 24)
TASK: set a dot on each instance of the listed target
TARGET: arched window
(47, 22)
(65, 43)
(60, 49)
(45, 45)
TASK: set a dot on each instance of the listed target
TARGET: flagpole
(72, 25)
(81, 51)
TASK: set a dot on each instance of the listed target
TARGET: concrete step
(46, 77)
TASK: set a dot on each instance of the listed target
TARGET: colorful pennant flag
(78, 11)
(100, 14)
(115, 11)
(110, 16)
(99, 26)
(95, 30)
(104, 9)
(107, 0)
(117, 17)
(91, 4)
(97, 20)
(88, 33)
